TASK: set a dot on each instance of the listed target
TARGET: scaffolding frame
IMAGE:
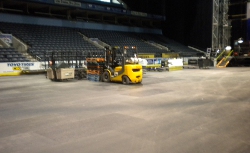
(221, 26)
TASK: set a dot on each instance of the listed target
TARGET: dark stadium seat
(4, 60)
(47, 38)
(121, 39)
(15, 55)
(10, 55)
(51, 38)
(14, 59)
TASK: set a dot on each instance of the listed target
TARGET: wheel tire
(125, 80)
(106, 77)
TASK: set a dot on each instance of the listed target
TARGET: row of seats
(115, 38)
(43, 55)
(170, 44)
(141, 40)
(47, 38)
(13, 59)
(11, 55)
(42, 39)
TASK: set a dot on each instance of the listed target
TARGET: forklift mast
(110, 57)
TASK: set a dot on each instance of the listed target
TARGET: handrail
(197, 49)
(224, 59)
(38, 58)
(19, 45)
(229, 54)
(220, 54)
(90, 41)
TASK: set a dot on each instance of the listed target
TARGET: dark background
(187, 21)
(239, 23)
(190, 21)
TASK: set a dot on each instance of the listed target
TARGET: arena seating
(171, 44)
(43, 39)
(11, 55)
(115, 38)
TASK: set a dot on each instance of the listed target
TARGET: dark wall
(201, 30)
(189, 22)
(248, 30)
(239, 29)
(148, 6)
(239, 22)
(176, 25)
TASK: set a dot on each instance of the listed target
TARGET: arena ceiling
(55, 11)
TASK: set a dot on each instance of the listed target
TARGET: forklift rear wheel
(106, 77)
(125, 80)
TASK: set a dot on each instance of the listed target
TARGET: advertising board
(16, 68)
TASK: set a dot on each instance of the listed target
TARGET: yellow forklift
(125, 69)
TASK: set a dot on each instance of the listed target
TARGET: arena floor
(189, 111)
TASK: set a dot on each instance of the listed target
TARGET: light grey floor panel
(188, 111)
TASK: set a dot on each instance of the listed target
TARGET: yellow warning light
(116, 47)
(126, 47)
(133, 47)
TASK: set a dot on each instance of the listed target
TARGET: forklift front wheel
(125, 80)
(106, 77)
